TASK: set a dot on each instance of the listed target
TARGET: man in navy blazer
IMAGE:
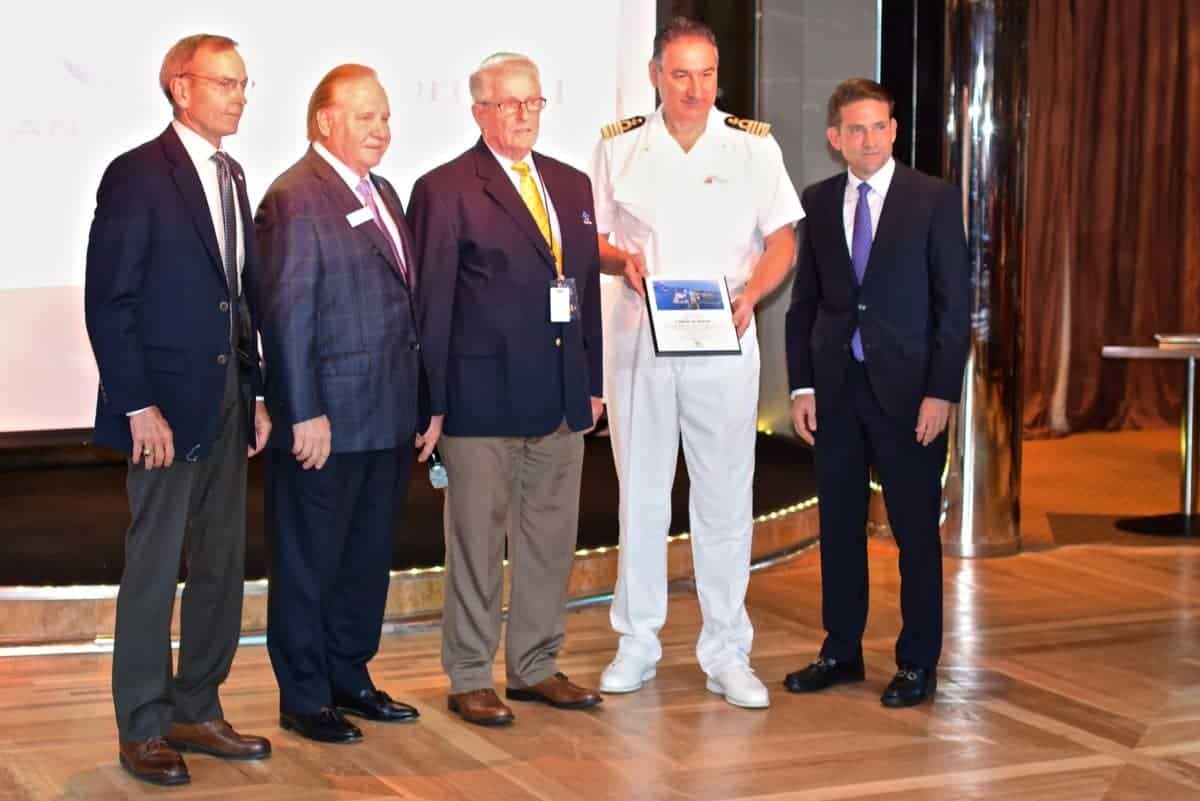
(510, 330)
(170, 265)
(342, 359)
(877, 337)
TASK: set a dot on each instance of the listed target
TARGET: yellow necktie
(533, 200)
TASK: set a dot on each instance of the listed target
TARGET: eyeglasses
(509, 107)
(226, 85)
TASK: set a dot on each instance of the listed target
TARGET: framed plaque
(691, 316)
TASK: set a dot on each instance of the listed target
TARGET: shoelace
(906, 674)
(824, 662)
(156, 744)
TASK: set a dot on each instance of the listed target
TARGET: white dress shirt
(879, 183)
(201, 152)
(353, 181)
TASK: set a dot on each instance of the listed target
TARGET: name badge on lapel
(359, 216)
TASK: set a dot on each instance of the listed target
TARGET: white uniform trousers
(712, 401)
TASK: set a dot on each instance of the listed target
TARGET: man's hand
(311, 442)
(932, 418)
(743, 310)
(428, 440)
(804, 416)
(614, 261)
(597, 410)
(262, 429)
(635, 273)
(153, 442)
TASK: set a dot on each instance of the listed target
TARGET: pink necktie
(368, 197)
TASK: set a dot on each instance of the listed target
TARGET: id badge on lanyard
(564, 305)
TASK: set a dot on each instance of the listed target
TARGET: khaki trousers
(528, 489)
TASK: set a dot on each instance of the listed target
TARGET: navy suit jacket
(338, 319)
(912, 308)
(495, 364)
(156, 300)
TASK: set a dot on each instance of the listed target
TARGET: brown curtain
(1113, 208)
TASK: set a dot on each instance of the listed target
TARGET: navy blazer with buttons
(156, 301)
(913, 305)
(495, 364)
(338, 319)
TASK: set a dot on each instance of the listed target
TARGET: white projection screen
(81, 86)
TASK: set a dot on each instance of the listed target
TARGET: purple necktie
(368, 197)
(860, 254)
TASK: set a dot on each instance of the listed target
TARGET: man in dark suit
(510, 326)
(340, 342)
(168, 256)
(877, 337)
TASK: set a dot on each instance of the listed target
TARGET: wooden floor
(1069, 673)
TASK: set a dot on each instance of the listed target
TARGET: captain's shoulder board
(622, 126)
(755, 127)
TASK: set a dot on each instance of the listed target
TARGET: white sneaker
(740, 687)
(626, 674)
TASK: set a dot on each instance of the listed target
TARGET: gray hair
(181, 54)
(499, 62)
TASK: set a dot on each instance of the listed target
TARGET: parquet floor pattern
(1069, 674)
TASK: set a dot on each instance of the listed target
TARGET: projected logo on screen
(437, 90)
(49, 126)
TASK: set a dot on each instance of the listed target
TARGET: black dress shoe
(374, 704)
(825, 672)
(326, 726)
(909, 687)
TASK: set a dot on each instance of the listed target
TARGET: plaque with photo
(691, 316)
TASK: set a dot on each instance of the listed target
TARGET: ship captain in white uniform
(689, 191)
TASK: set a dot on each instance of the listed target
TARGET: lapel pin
(585, 218)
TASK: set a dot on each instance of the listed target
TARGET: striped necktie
(229, 220)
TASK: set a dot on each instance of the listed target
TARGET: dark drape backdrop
(1113, 208)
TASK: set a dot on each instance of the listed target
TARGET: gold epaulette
(749, 126)
(624, 126)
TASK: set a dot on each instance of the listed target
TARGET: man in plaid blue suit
(341, 348)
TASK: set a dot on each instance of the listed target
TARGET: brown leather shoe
(217, 738)
(154, 761)
(557, 691)
(482, 707)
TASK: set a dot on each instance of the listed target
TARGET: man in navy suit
(877, 337)
(169, 255)
(340, 343)
(510, 326)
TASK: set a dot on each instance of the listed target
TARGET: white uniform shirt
(703, 212)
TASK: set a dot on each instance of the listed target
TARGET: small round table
(1185, 523)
